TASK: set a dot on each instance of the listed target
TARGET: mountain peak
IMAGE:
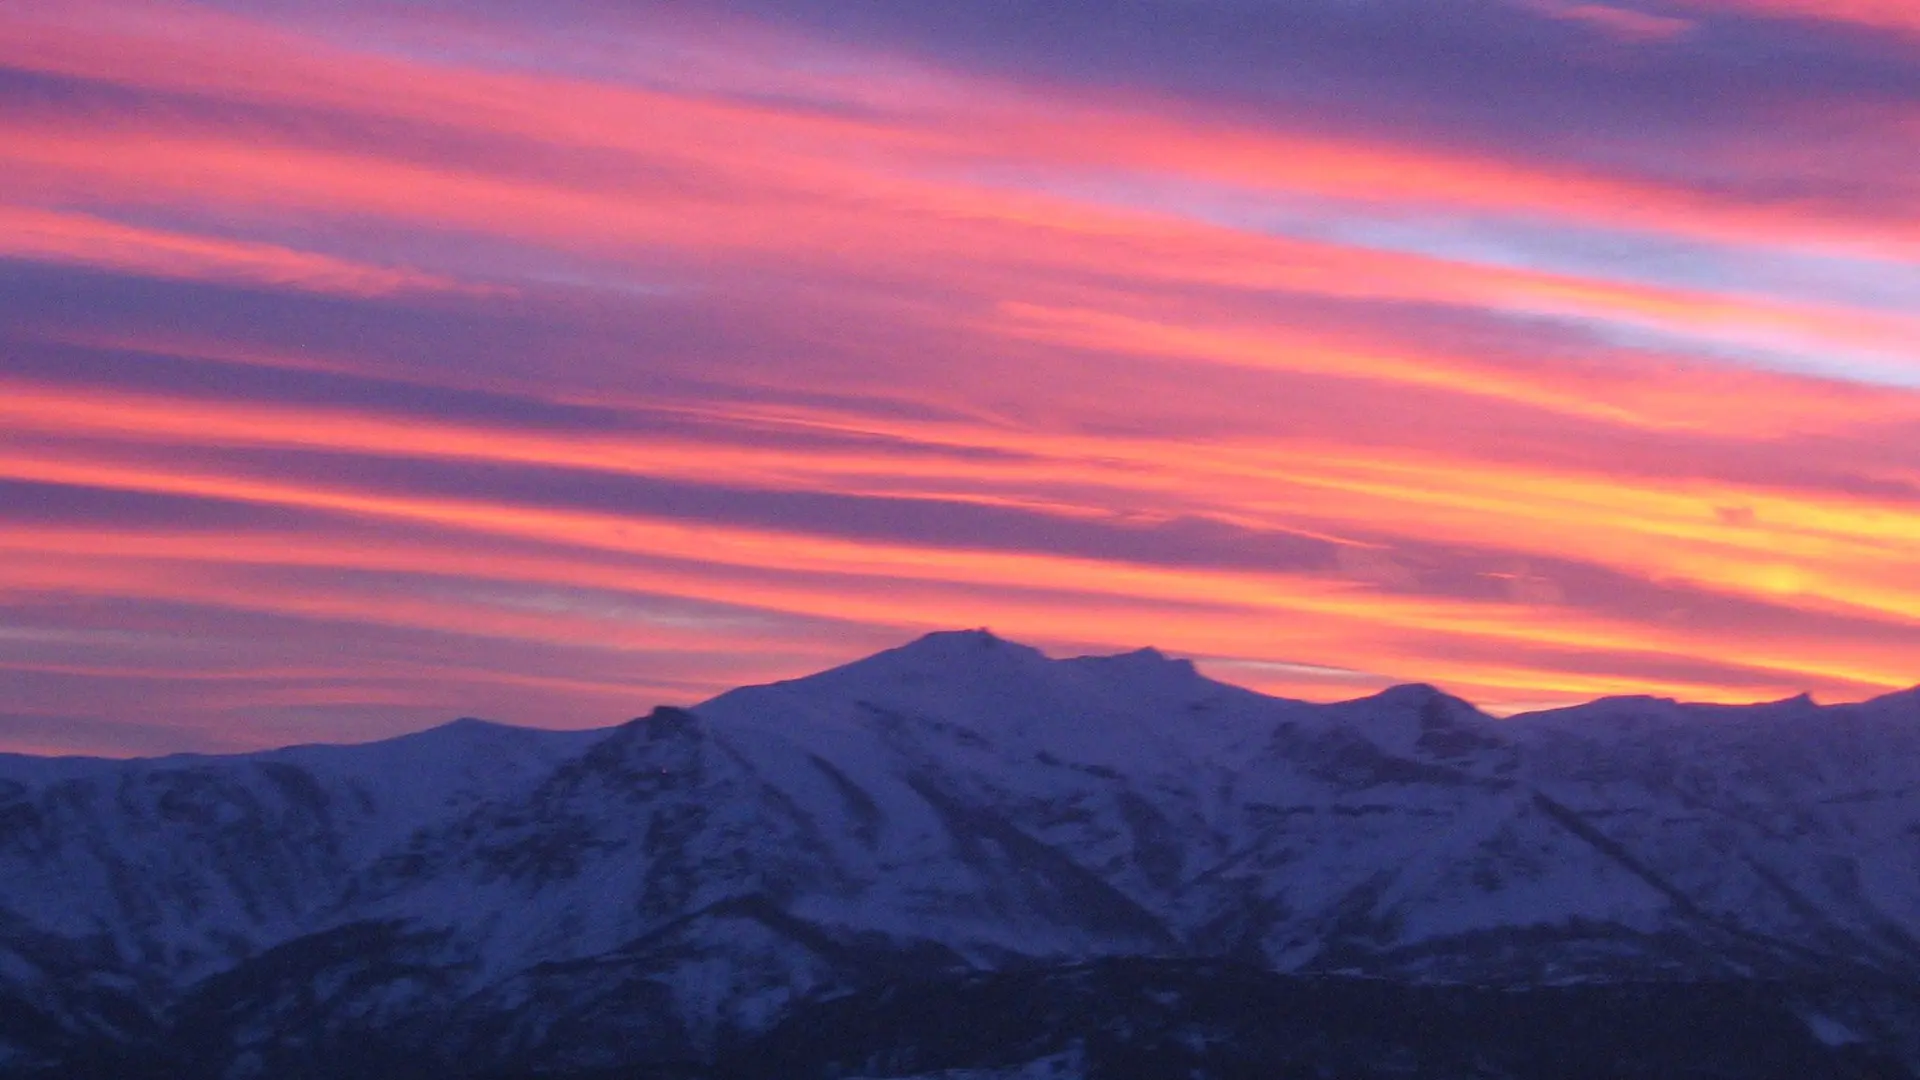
(1149, 663)
(946, 644)
(472, 725)
(1426, 698)
(950, 651)
(467, 730)
(1148, 657)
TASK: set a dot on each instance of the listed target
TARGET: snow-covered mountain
(679, 889)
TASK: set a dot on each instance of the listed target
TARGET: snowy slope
(673, 884)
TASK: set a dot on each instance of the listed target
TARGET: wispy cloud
(367, 369)
(1624, 23)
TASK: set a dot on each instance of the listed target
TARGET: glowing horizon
(364, 370)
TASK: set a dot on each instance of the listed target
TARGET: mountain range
(962, 859)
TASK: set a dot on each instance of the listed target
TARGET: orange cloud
(27, 233)
(1623, 23)
(1843, 555)
(1876, 14)
(1653, 396)
(948, 122)
(1061, 348)
(922, 229)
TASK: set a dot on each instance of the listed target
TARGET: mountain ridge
(667, 891)
(924, 649)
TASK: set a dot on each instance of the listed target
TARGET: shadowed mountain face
(962, 859)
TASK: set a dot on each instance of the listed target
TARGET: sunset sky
(363, 365)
